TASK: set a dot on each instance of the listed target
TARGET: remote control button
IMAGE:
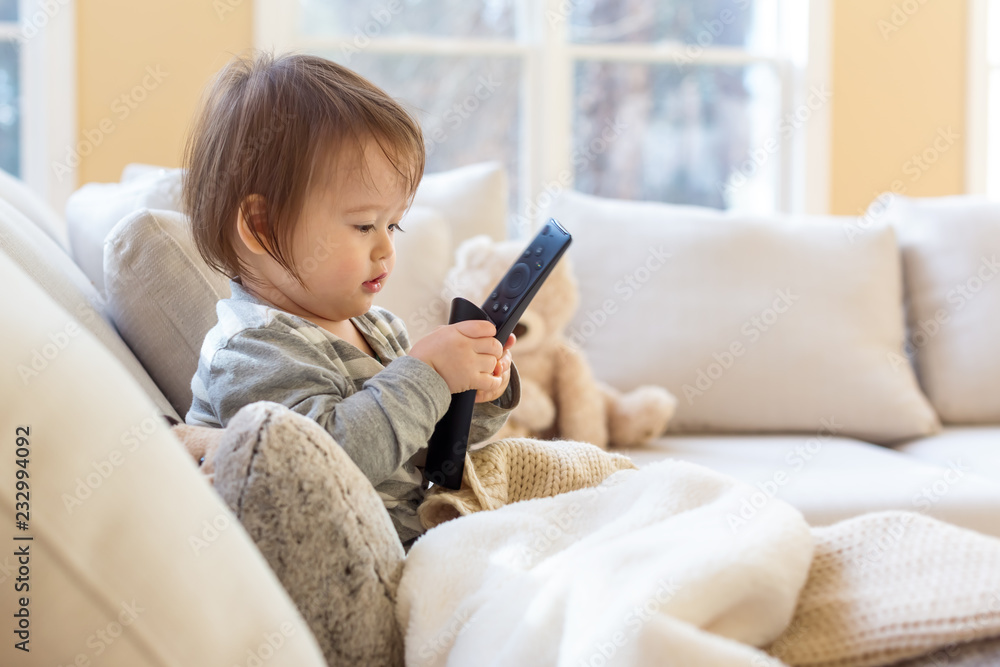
(516, 280)
(539, 264)
(506, 307)
(527, 253)
(496, 306)
(493, 296)
(538, 251)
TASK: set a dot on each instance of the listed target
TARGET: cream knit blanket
(515, 469)
(647, 568)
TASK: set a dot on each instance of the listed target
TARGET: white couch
(784, 340)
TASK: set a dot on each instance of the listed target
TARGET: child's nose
(384, 247)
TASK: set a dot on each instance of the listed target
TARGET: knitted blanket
(666, 566)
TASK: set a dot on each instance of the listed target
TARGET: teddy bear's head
(480, 263)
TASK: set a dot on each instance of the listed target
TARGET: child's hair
(268, 126)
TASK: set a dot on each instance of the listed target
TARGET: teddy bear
(560, 398)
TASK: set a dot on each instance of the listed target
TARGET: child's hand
(467, 356)
(502, 370)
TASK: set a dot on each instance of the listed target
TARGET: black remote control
(504, 307)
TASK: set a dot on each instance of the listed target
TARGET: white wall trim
(977, 99)
(49, 98)
(815, 166)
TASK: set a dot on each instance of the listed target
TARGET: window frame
(47, 101)
(977, 165)
(548, 59)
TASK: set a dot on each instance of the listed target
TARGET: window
(37, 94)
(709, 102)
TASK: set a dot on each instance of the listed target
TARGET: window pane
(690, 135)
(704, 22)
(8, 10)
(363, 19)
(469, 108)
(10, 117)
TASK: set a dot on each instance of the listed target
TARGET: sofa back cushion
(755, 324)
(951, 263)
(23, 243)
(94, 209)
(128, 539)
(16, 193)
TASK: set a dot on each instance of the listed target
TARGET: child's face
(343, 244)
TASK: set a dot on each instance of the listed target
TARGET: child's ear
(252, 212)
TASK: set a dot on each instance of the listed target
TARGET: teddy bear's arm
(536, 412)
(579, 402)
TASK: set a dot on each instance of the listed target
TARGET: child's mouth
(375, 284)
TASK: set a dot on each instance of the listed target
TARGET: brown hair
(266, 127)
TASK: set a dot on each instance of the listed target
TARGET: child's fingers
(476, 328)
(511, 339)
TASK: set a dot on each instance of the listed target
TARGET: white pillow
(17, 193)
(162, 297)
(951, 263)
(56, 274)
(473, 199)
(755, 324)
(134, 557)
(95, 208)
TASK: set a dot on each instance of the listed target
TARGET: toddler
(298, 172)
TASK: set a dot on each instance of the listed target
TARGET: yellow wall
(121, 45)
(896, 93)
(893, 93)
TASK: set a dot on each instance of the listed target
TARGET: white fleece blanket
(654, 567)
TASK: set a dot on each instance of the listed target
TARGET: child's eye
(396, 227)
(364, 229)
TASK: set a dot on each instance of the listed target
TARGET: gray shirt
(381, 411)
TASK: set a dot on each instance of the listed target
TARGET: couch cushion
(94, 209)
(162, 296)
(755, 324)
(830, 478)
(128, 539)
(472, 198)
(978, 447)
(56, 274)
(951, 262)
(17, 193)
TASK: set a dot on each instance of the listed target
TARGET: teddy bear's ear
(474, 252)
